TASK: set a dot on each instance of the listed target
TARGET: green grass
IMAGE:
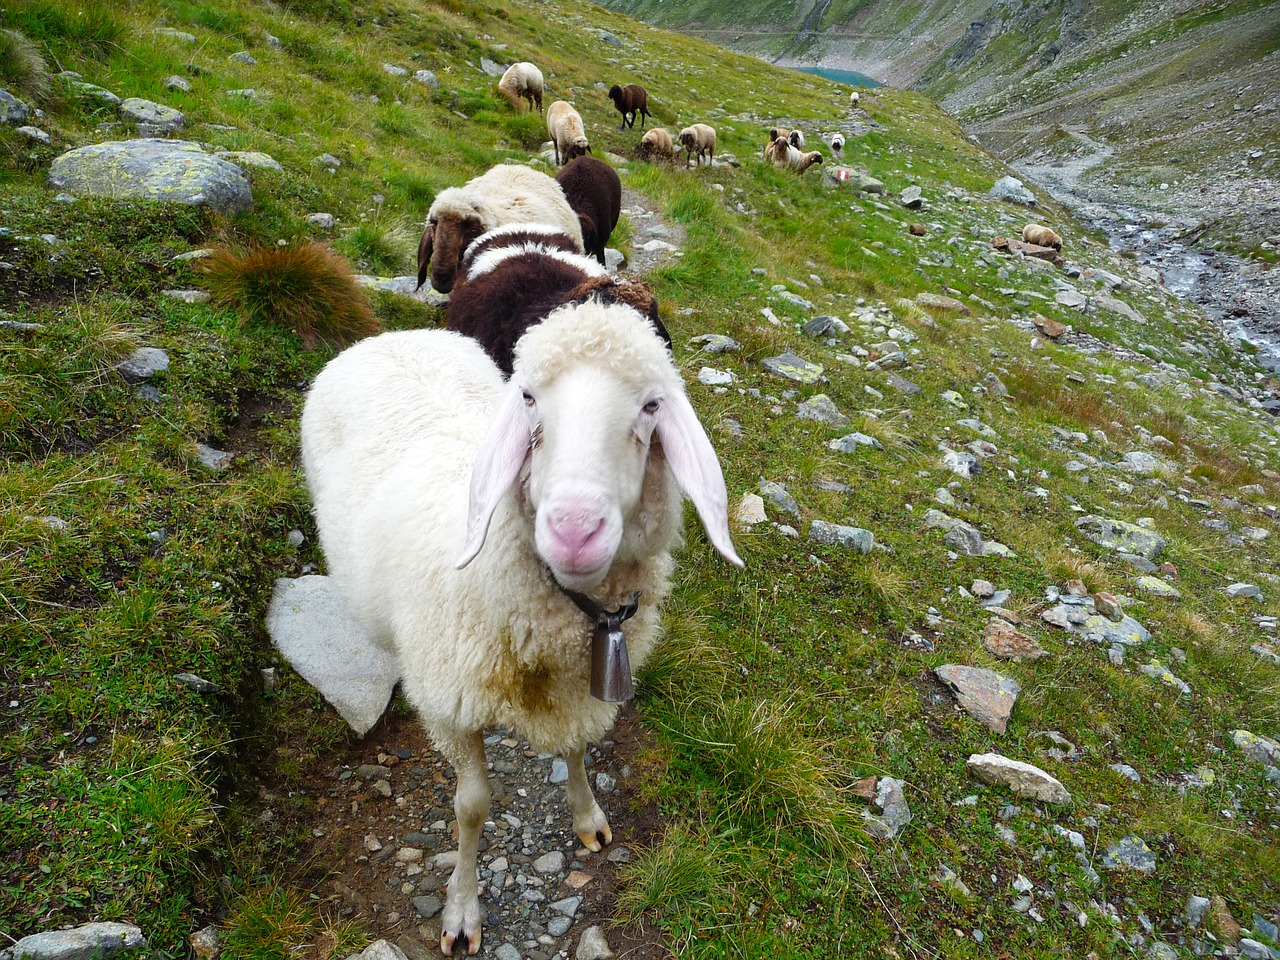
(778, 686)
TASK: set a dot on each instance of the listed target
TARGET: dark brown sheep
(517, 275)
(595, 193)
(630, 99)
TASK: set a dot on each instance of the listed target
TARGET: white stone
(1023, 779)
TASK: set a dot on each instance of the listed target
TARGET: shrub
(22, 69)
(307, 287)
(382, 248)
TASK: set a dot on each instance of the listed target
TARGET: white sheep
(507, 193)
(567, 132)
(696, 140)
(657, 143)
(453, 506)
(522, 81)
(837, 144)
(854, 99)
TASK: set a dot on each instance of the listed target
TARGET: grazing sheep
(513, 277)
(697, 140)
(567, 132)
(595, 193)
(1041, 236)
(630, 99)
(508, 193)
(522, 81)
(657, 143)
(837, 144)
(799, 161)
(455, 509)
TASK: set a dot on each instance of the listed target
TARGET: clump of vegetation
(22, 69)
(380, 247)
(88, 30)
(306, 287)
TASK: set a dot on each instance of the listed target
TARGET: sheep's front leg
(460, 926)
(589, 821)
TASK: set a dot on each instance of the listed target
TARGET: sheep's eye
(528, 398)
(651, 407)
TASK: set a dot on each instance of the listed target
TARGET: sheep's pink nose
(574, 534)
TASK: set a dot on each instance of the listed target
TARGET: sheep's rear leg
(589, 821)
(460, 924)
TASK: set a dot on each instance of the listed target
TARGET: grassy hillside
(128, 794)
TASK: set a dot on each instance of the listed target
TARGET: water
(850, 77)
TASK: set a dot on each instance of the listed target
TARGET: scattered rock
(822, 409)
(1011, 189)
(1157, 587)
(213, 459)
(1050, 328)
(143, 364)
(167, 170)
(1008, 643)
(252, 158)
(851, 442)
(1131, 853)
(939, 302)
(593, 945)
(310, 625)
(1023, 779)
(155, 115)
(894, 811)
(793, 368)
(779, 496)
(985, 695)
(716, 343)
(1247, 591)
(1120, 535)
(751, 510)
(851, 538)
(321, 221)
(91, 940)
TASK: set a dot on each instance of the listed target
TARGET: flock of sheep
(496, 498)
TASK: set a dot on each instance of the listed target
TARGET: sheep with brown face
(508, 193)
(631, 99)
(1041, 236)
(697, 140)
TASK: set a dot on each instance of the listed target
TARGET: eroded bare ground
(380, 816)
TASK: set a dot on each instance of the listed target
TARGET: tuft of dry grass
(1063, 566)
(22, 69)
(306, 287)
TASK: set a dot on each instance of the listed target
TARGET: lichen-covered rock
(252, 158)
(1122, 536)
(167, 170)
(152, 114)
(12, 110)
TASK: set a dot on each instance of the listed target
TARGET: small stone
(188, 296)
(964, 539)
(902, 385)
(716, 343)
(1157, 587)
(143, 364)
(985, 695)
(568, 906)
(779, 496)
(1023, 779)
(392, 70)
(983, 589)
(793, 368)
(196, 683)
(852, 441)
(822, 409)
(206, 942)
(593, 945)
(243, 57)
(426, 77)
(175, 82)
(1008, 643)
(1127, 772)
(851, 538)
(1107, 605)
(552, 862)
(34, 133)
(1245, 590)
(91, 940)
(1121, 536)
(939, 302)
(715, 378)
(213, 459)
(1131, 853)
(751, 510)
(1050, 328)
(895, 813)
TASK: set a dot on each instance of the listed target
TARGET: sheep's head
(579, 148)
(451, 227)
(615, 93)
(594, 413)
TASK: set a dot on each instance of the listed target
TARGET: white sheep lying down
(450, 503)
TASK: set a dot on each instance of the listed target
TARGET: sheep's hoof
(595, 839)
(450, 942)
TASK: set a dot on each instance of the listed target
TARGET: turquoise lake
(851, 77)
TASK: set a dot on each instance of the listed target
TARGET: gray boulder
(12, 110)
(1122, 536)
(837, 535)
(167, 170)
(152, 114)
(1012, 190)
(91, 941)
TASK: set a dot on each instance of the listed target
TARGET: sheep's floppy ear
(497, 465)
(424, 253)
(694, 464)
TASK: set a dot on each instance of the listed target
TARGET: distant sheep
(515, 276)
(837, 144)
(630, 99)
(522, 81)
(595, 193)
(455, 509)
(508, 193)
(567, 132)
(794, 137)
(854, 99)
(697, 140)
(657, 144)
(1041, 236)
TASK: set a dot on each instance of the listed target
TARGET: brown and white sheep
(595, 193)
(657, 143)
(516, 275)
(697, 140)
(508, 193)
(837, 144)
(522, 81)
(630, 99)
(782, 152)
(567, 131)
(1041, 236)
